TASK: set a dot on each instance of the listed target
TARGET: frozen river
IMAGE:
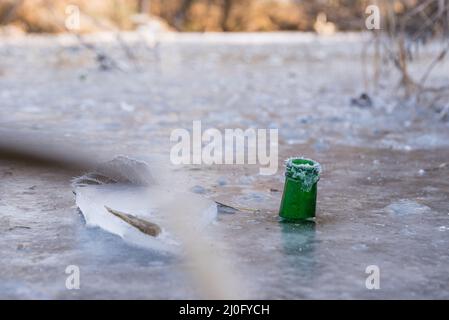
(383, 197)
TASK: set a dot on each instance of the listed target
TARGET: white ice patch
(405, 207)
(127, 185)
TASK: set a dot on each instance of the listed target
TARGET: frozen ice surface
(300, 83)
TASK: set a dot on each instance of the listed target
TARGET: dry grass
(407, 26)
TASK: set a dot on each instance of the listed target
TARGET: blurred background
(401, 26)
(221, 15)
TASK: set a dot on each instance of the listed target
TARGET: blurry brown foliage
(224, 15)
(187, 15)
